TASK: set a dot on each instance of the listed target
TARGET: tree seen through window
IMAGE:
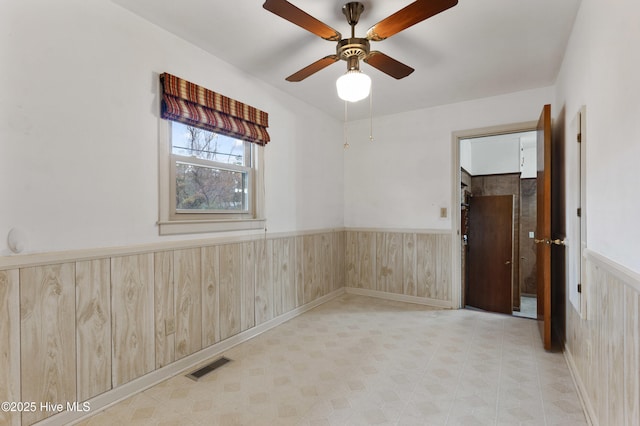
(211, 170)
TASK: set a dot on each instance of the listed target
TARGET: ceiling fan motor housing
(349, 47)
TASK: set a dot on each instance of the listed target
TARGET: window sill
(178, 227)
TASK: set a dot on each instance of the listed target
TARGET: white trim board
(48, 258)
(443, 304)
(445, 231)
(624, 274)
(587, 407)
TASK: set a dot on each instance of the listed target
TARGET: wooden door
(543, 226)
(490, 253)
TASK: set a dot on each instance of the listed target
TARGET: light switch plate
(443, 212)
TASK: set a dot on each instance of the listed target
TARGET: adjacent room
(204, 222)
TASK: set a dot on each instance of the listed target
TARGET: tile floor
(362, 361)
(528, 307)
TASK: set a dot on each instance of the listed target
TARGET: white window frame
(172, 222)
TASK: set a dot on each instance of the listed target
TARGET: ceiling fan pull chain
(371, 114)
(346, 139)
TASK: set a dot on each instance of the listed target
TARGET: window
(211, 174)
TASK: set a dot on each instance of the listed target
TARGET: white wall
(466, 156)
(498, 155)
(403, 178)
(495, 154)
(600, 71)
(79, 129)
(507, 153)
(528, 156)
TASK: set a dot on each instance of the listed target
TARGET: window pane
(191, 141)
(210, 188)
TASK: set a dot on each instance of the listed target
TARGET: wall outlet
(443, 212)
(169, 326)
(532, 234)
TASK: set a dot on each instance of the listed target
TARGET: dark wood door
(543, 226)
(490, 253)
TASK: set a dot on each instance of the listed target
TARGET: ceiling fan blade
(416, 12)
(297, 16)
(313, 68)
(388, 65)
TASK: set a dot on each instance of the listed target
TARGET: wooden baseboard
(445, 304)
(587, 407)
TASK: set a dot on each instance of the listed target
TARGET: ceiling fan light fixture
(353, 86)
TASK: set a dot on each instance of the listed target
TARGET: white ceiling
(476, 49)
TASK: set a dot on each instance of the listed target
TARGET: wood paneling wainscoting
(603, 344)
(409, 266)
(99, 326)
(9, 343)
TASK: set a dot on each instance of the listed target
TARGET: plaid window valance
(194, 105)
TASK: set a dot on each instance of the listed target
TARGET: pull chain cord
(264, 202)
(346, 139)
(371, 115)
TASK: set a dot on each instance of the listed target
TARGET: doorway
(498, 163)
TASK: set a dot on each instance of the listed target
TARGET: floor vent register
(198, 374)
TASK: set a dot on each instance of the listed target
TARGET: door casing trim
(456, 246)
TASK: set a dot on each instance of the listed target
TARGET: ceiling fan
(354, 49)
